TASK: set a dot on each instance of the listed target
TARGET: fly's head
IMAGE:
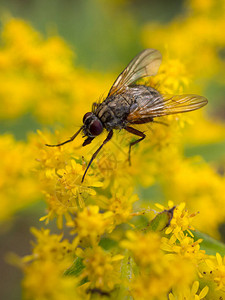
(92, 127)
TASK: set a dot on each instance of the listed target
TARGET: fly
(128, 103)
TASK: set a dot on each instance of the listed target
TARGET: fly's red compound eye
(86, 116)
(96, 128)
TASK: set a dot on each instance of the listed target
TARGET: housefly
(128, 103)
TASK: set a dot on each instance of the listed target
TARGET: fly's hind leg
(135, 132)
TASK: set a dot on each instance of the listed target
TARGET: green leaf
(107, 243)
(76, 268)
(209, 244)
(128, 271)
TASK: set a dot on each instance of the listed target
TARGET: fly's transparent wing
(146, 63)
(163, 105)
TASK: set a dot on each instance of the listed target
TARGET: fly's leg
(109, 136)
(158, 122)
(135, 132)
(67, 141)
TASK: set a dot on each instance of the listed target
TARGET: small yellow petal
(219, 259)
(204, 292)
(117, 257)
(195, 287)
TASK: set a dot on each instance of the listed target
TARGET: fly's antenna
(68, 141)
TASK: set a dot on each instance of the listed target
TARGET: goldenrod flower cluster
(196, 38)
(122, 244)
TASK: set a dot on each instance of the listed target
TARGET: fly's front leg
(67, 141)
(109, 136)
(136, 132)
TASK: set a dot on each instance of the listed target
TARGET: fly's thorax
(113, 111)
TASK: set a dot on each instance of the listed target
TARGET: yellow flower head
(120, 203)
(156, 283)
(144, 247)
(217, 270)
(101, 268)
(44, 268)
(185, 246)
(69, 187)
(190, 293)
(90, 224)
(44, 281)
(181, 220)
(17, 187)
(50, 247)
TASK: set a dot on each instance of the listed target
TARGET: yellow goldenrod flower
(217, 270)
(101, 268)
(69, 185)
(190, 294)
(184, 246)
(156, 283)
(180, 221)
(90, 224)
(120, 203)
(144, 247)
(50, 247)
(201, 40)
(44, 281)
(17, 187)
(44, 268)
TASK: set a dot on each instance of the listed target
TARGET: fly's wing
(163, 105)
(146, 63)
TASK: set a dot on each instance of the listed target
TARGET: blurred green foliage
(101, 32)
